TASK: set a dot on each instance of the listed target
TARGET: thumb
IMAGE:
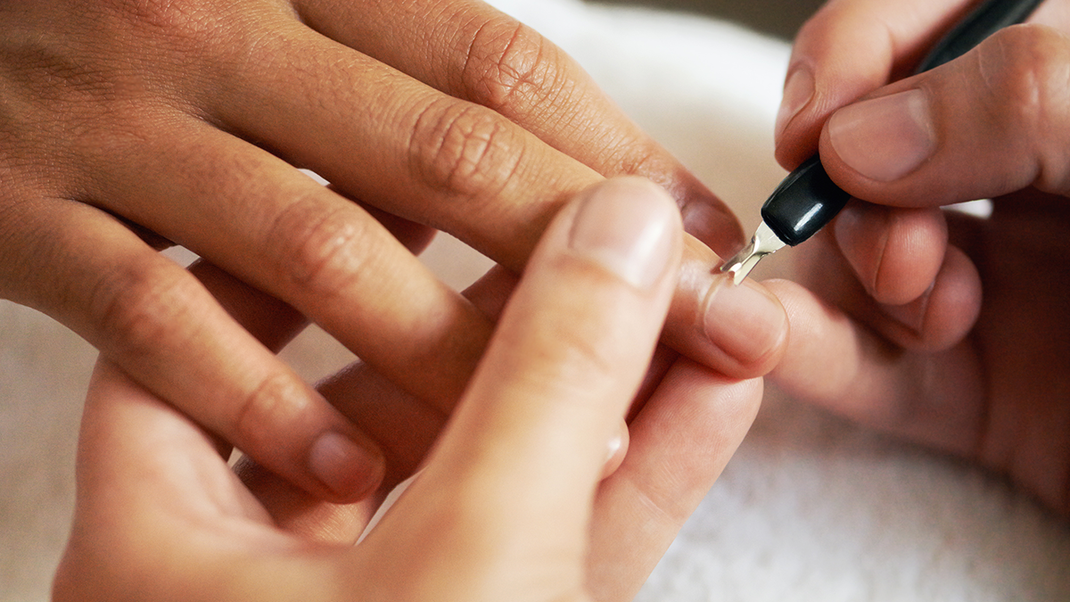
(524, 452)
(989, 123)
(572, 345)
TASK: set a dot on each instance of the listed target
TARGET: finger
(265, 222)
(154, 498)
(987, 124)
(403, 426)
(848, 49)
(943, 312)
(836, 363)
(680, 442)
(472, 51)
(147, 314)
(463, 168)
(896, 253)
(528, 443)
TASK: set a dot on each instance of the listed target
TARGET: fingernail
(744, 321)
(343, 466)
(884, 138)
(798, 90)
(628, 226)
(707, 223)
(615, 451)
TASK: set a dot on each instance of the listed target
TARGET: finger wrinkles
(147, 302)
(280, 399)
(511, 68)
(464, 149)
(191, 25)
(320, 247)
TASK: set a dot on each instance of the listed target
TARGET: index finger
(846, 50)
(474, 52)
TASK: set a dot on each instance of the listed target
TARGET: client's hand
(902, 337)
(183, 120)
(512, 503)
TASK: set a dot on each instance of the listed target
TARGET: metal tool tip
(761, 244)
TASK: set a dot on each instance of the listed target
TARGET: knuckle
(165, 17)
(587, 349)
(319, 250)
(644, 157)
(511, 68)
(145, 304)
(174, 31)
(279, 399)
(465, 149)
(1026, 74)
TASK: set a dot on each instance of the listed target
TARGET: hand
(182, 121)
(510, 503)
(902, 337)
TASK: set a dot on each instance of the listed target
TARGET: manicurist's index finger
(848, 49)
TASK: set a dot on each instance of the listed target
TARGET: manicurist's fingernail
(342, 465)
(629, 226)
(745, 321)
(798, 90)
(884, 138)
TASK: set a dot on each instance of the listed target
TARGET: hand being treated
(950, 329)
(126, 126)
(515, 499)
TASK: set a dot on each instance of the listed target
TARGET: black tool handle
(807, 199)
(804, 202)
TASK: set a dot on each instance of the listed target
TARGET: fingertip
(617, 449)
(350, 467)
(714, 224)
(880, 140)
(895, 253)
(943, 316)
(799, 90)
(738, 331)
(747, 322)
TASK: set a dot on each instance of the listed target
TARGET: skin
(126, 127)
(515, 500)
(946, 329)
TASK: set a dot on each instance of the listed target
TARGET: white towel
(810, 508)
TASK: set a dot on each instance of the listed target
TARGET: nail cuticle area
(743, 321)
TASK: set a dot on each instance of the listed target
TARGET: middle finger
(398, 144)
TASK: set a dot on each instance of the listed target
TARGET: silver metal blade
(761, 244)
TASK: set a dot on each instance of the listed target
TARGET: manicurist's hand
(951, 330)
(126, 126)
(513, 501)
